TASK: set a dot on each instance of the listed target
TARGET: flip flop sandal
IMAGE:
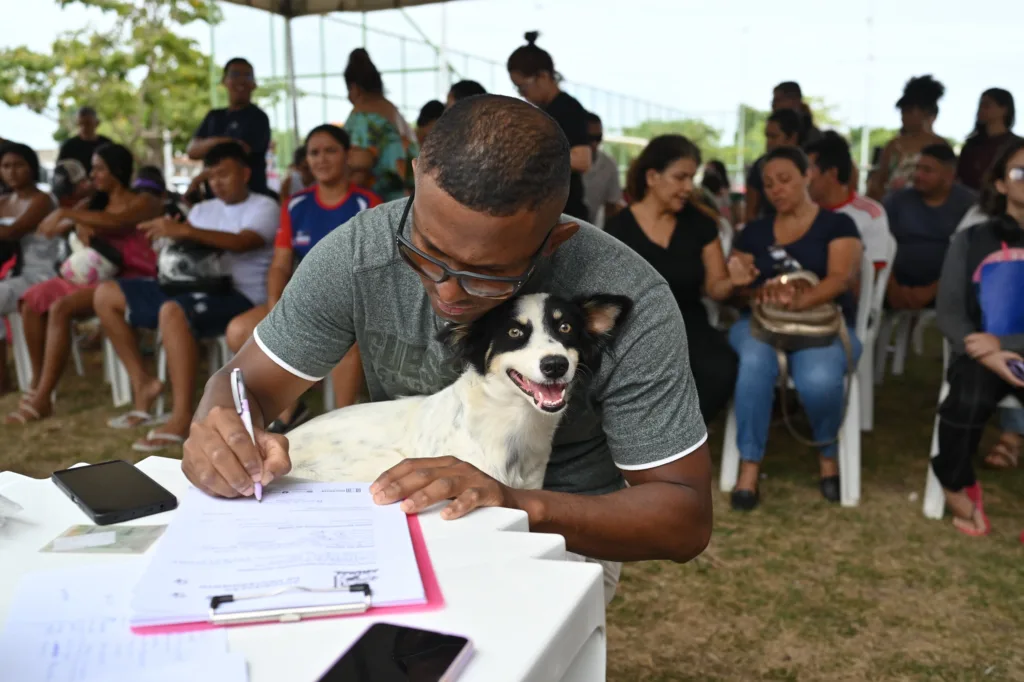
(131, 420)
(23, 415)
(1002, 456)
(156, 441)
(974, 532)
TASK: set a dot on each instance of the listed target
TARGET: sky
(698, 58)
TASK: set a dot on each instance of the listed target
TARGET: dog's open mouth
(549, 397)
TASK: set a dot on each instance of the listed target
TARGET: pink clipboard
(435, 600)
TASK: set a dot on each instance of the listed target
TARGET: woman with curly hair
(919, 107)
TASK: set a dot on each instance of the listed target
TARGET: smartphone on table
(112, 492)
(396, 653)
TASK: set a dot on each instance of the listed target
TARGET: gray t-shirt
(638, 412)
(601, 186)
(923, 232)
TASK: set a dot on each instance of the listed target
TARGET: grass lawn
(798, 590)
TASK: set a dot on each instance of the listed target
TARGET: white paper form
(303, 534)
(72, 625)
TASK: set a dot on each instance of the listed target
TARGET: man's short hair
(87, 111)
(224, 151)
(498, 155)
(234, 61)
(790, 89)
(941, 152)
(464, 89)
(430, 112)
(593, 118)
(832, 151)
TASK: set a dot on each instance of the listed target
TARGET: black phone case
(117, 517)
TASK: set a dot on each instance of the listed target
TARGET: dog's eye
(564, 328)
(515, 332)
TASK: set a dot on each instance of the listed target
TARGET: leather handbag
(793, 330)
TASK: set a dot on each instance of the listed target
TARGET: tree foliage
(137, 71)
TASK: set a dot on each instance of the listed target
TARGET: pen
(242, 407)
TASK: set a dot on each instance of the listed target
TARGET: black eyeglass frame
(402, 243)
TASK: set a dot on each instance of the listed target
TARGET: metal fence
(415, 69)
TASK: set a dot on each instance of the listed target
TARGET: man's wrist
(530, 501)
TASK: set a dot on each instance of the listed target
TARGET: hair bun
(531, 37)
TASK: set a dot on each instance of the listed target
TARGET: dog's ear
(467, 344)
(604, 315)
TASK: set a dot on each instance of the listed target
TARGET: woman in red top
(307, 217)
(48, 308)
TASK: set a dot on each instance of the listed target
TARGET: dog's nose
(554, 366)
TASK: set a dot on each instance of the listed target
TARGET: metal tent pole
(289, 48)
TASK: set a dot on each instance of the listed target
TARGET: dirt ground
(797, 590)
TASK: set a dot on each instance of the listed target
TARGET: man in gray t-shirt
(490, 183)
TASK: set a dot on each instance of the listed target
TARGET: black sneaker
(302, 415)
(829, 486)
(745, 500)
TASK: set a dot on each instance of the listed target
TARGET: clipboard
(431, 589)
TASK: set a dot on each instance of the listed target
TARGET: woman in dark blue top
(801, 236)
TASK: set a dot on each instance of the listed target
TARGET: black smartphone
(115, 491)
(396, 653)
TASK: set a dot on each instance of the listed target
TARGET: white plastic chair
(23, 360)
(217, 355)
(871, 323)
(934, 498)
(895, 337)
(849, 431)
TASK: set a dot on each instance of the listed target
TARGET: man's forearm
(657, 520)
(217, 393)
(226, 241)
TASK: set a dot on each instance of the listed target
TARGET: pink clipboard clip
(431, 589)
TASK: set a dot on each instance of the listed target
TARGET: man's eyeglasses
(473, 283)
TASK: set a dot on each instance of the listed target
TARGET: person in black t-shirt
(533, 73)
(82, 146)
(679, 238)
(242, 121)
(782, 129)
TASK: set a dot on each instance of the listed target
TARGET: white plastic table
(530, 616)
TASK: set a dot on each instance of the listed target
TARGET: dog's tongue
(546, 393)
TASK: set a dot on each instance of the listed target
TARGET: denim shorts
(208, 314)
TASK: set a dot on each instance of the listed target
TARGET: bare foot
(967, 517)
(147, 394)
(977, 524)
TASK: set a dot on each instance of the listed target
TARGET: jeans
(974, 392)
(1011, 419)
(818, 374)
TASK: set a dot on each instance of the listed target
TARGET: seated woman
(980, 311)
(48, 308)
(679, 238)
(383, 143)
(781, 129)
(309, 216)
(21, 211)
(804, 237)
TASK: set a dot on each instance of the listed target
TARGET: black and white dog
(521, 360)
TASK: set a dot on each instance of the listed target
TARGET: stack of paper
(72, 626)
(303, 534)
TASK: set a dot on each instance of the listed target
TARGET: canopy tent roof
(298, 8)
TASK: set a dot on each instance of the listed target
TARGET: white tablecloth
(529, 615)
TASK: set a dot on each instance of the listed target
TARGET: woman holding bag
(980, 311)
(799, 237)
(107, 230)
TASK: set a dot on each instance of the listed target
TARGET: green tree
(705, 136)
(140, 74)
(877, 137)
